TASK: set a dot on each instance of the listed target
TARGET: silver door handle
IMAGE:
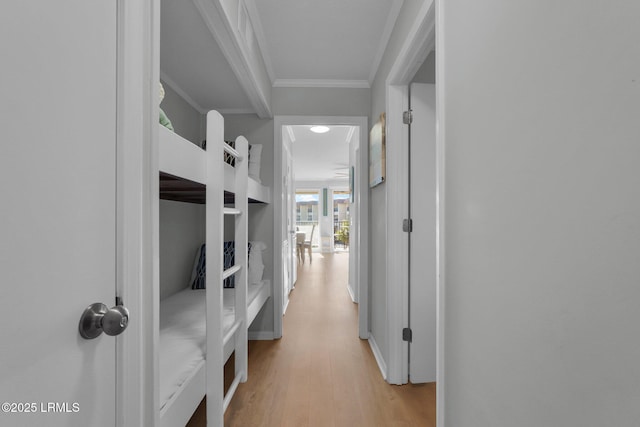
(97, 318)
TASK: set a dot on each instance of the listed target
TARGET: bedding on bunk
(255, 269)
(255, 157)
(256, 266)
(182, 344)
(164, 120)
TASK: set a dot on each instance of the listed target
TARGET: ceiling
(321, 157)
(300, 43)
(192, 63)
(303, 43)
(307, 41)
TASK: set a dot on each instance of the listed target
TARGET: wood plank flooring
(320, 373)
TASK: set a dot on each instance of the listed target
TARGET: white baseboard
(284, 311)
(261, 335)
(351, 292)
(378, 355)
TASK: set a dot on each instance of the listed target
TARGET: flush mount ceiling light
(319, 129)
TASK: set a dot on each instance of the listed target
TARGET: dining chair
(300, 237)
(307, 244)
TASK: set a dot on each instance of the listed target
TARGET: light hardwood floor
(320, 373)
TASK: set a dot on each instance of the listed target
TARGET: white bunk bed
(199, 330)
(183, 172)
(182, 346)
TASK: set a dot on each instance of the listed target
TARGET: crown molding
(353, 84)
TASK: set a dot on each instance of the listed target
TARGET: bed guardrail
(232, 151)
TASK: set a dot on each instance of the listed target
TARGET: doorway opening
(414, 264)
(319, 209)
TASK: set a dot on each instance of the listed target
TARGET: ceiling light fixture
(319, 129)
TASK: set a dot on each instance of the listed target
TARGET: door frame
(138, 49)
(363, 191)
(420, 41)
(286, 199)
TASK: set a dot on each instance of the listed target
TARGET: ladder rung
(232, 211)
(232, 390)
(231, 270)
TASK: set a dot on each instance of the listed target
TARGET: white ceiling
(333, 43)
(321, 157)
(323, 41)
(303, 43)
(192, 63)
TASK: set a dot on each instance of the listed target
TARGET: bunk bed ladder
(241, 214)
(217, 402)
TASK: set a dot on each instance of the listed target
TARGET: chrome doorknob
(97, 318)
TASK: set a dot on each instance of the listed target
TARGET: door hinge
(407, 225)
(407, 117)
(406, 334)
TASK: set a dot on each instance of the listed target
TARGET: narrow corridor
(320, 373)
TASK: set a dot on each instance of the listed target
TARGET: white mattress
(182, 345)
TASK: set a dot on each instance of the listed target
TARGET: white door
(58, 213)
(288, 226)
(422, 271)
(354, 228)
(293, 241)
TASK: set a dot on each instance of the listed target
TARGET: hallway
(320, 373)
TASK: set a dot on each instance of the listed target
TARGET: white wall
(541, 122)
(427, 71)
(182, 225)
(321, 101)
(378, 195)
(354, 226)
(182, 231)
(186, 120)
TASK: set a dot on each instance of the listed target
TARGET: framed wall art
(377, 153)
